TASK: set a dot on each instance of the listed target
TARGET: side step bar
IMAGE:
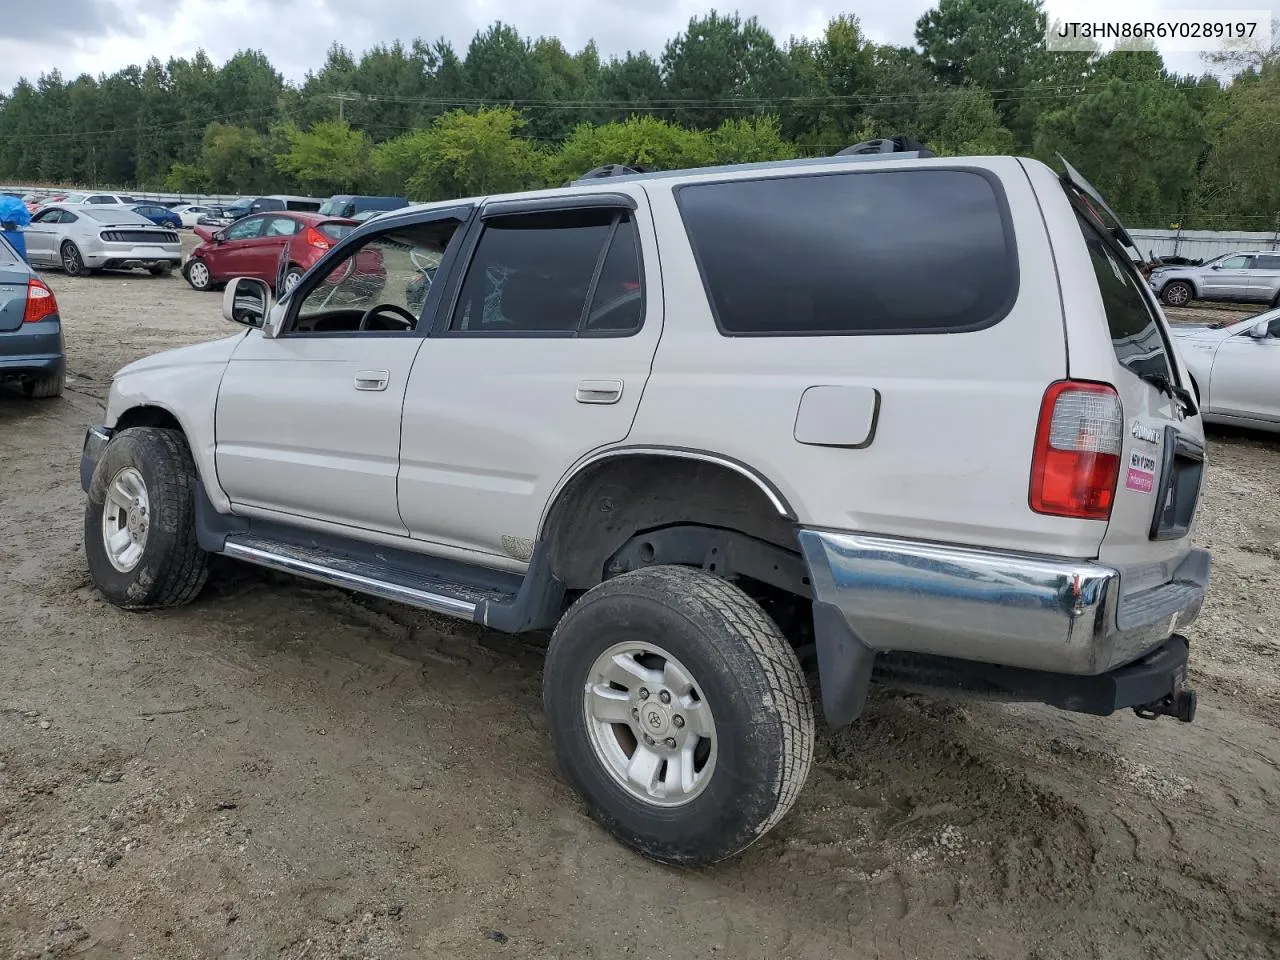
(351, 576)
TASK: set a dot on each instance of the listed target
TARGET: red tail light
(1077, 454)
(316, 239)
(41, 302)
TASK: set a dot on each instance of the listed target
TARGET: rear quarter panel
(951, 454)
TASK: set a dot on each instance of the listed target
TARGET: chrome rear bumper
(1051, 615)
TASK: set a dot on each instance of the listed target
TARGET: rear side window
(1266, 263)
(553, 273)
(1135, 331)
(880, 252)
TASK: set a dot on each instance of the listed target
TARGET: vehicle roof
(736, 171)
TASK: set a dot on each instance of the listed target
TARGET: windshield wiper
(1179, 395)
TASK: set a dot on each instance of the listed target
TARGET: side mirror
(247, 302)
(219, 237)
(1260, 330)
(1216, 266)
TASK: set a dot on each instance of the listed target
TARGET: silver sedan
(82, 238)
(1236, 369)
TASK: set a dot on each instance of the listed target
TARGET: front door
(539, 356)
(308, 423)
(41, 237)
(1229, 280)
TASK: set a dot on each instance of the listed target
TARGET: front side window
(245, 229)
(381, 285)
(1135, 331)
(1235, 263)
(858, 253)
(47, 216)
(565, 273)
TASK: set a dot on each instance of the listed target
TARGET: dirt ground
(285, 770)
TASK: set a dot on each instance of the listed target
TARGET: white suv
(902, 415)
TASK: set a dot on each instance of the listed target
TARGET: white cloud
(94, 36)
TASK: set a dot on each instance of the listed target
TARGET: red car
(276, 247)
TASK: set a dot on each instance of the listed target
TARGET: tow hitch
(1181, 705)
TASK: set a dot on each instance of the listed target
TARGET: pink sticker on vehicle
(1141, 475)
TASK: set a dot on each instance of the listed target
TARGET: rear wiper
(1179, 395)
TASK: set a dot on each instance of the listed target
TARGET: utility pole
(342, 99)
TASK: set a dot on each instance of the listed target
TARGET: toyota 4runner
(892, 415)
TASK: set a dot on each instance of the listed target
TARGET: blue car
(161, 216)
(32, 354)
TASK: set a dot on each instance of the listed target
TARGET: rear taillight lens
(1077, 453)
(316, 239)
(41, 302)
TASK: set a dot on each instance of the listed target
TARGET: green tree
(637, 141)
(750, 140)
(235, 159)
(1240, 180)
(329, 158)
(461, 154)
(717, 60)
(1133, 133)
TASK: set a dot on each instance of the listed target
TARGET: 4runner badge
(1149, 434)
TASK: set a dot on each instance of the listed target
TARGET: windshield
(115, 215)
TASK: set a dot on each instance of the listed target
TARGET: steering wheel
(403, 314)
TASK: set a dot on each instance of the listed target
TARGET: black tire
(205, 276)
(160, 271)
(1177, 293)
(289, 280)
(749, 677)
(72, 260)
(46, 388)
(172, 568)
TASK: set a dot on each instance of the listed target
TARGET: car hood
(198, 354)
(1202, 331)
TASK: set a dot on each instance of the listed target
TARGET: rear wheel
(198, 275)
(1178, 293)
(139, 521)
(72, 261)
(679, 712)
(291, 278)
(45, 388)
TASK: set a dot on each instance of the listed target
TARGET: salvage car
(84, 238)
(1249, 277)
(32, 354)
(932, 430)
(1235, 367)
(255, 245)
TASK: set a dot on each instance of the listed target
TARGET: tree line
(513, 112)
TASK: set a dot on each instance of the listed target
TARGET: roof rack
(898, 144)
(610, 170)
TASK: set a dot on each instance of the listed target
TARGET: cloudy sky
(103, 35)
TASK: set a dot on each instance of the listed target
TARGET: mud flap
(845, 665)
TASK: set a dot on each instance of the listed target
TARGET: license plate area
(1181, 474)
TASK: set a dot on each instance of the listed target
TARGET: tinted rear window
(1267, 263)
(880, 252)
(1135, 332)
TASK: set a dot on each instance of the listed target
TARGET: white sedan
(1236, 369)
(190, 213)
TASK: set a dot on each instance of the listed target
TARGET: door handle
(599, 391)
(372, 379)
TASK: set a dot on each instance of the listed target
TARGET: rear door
(539, 356)
(1264, 281)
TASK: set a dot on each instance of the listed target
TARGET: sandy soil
(283, 770)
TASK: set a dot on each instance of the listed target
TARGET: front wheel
(198, 275)
(1177, 294)
(679, 713)
(139, 522)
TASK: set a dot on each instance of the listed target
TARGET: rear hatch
(13, 289)
(1161, 442)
